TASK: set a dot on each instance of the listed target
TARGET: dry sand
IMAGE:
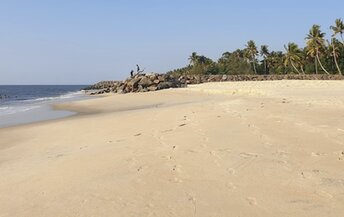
(273, 148)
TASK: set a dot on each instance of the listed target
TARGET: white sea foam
(9, 110)
(28, 105)
(64, 96)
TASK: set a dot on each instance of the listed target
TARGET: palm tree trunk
(316, 65)
(292, 64)
(265, 66)
(335, 59)
(254, 66)
(303, 71)
(321, 65)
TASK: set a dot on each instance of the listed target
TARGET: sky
(85, 41)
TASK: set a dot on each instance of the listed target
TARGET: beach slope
(270, 148)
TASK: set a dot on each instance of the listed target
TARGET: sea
(22, 104)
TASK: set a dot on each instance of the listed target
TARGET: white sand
(273, 148)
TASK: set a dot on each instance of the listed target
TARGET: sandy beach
(269, 148)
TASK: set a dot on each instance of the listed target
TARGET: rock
(161, 78)
(134, 82)
(145, 82)
(165, 85)
(152, 88)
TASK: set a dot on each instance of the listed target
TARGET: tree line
(320, 55)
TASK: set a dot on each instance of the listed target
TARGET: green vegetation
(320, 55)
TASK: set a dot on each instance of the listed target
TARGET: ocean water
(20, 104)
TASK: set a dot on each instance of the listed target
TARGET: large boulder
(134, 82)
(146, 81)
(165, 85)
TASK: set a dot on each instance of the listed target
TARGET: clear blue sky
(84, 41)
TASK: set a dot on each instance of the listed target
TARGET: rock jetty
(137, 83)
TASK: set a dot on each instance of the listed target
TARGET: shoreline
(247, 148)
(73, 110)
(40, 111)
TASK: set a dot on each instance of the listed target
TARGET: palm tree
(334, 52)
(193, 58)
(338, 29)
(315, 42)
(275, 62)
(292, 56)
(302, 56)
(251, 52)
(264, 52)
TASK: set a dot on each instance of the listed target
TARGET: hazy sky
(84, 41)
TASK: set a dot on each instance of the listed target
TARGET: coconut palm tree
(315, 43)
(292, 56)
(264, 52)
(302, 56)
(275, 62)
(338, 28)
(334, 52)
(251, 53)
(193, 58)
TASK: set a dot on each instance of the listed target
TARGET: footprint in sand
(141, 168)
(248, 155)
(317, 154)
(203, 145)
(231, 171)
(176, 168)
(230, 186)
(83, 147)
(191, 151)
(341, 156)
(212, 153)
(59, 155)
(168, 157)
(310, 174)
(192, 199)
(252, 201)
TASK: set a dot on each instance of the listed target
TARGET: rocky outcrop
(154, 82)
